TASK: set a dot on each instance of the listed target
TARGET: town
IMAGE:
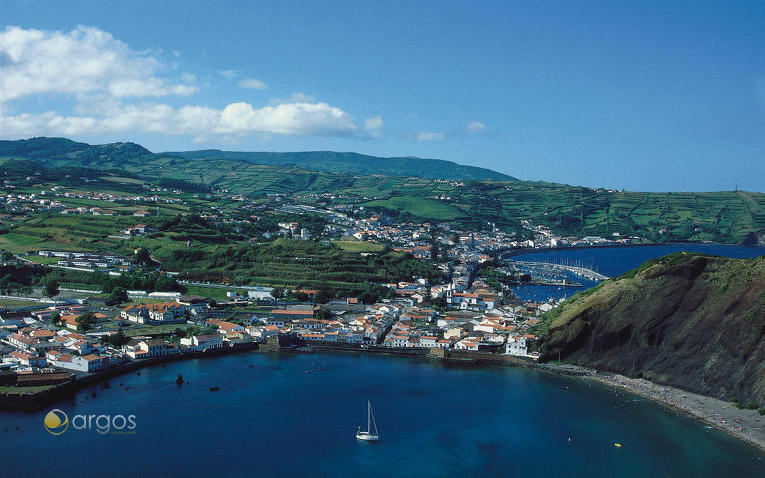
(466, 305)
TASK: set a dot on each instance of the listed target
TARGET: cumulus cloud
(428, 136)
(84, 60)
(475, 126)
(252, 83)
(240, 118)
(115, 89)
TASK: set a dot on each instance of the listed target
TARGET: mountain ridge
(354, 163)
(326, 161)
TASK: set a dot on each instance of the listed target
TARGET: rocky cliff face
(691, 321)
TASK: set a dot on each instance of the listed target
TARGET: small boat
(214, 389)
(368, 435)
(618, 445)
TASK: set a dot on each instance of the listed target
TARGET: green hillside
(354, 163)
(687, 320)
(727, 216)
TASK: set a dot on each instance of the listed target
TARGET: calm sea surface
(271, 418)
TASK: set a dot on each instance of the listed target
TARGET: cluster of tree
(148, 281)
(20, 277)
(184, 185)
(117, 340)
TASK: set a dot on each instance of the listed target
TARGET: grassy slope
(687, 320)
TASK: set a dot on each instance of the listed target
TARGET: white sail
(367, 434)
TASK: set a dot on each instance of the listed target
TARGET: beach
(747, 425)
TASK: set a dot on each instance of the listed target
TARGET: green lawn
(23, 390)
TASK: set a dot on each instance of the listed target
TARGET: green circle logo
(56, 422)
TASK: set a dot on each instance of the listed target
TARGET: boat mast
(374, 422)
(369, 414)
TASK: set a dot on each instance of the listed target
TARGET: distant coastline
(524, 251)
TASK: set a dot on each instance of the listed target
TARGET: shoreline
(743, 424)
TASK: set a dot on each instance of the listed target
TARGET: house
(157, 313)
(154, 347)
(468, 343)
(27, 359)
(142, 213)
(229, 328)
(141, 349)
(516, 346)
(203, 342)
(262, 332)
(85, 363)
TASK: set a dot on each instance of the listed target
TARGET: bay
(271, 418)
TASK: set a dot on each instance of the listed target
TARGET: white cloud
(114, 90)
(84, 60)
(302, 119)
(475, 126)
(296, 97)
(253, 84)
(373, 123)
(374, 126)
(427, 136)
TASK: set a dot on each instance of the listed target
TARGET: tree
(322, 314)
(143, 256)
(118, 296)
(117, 339)
(55, 318)
(323, 295)
(51, 288)
(86, 321)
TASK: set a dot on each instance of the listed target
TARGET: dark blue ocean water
(613, 261)
(270, 418)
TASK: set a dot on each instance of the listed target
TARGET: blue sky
(637, 95)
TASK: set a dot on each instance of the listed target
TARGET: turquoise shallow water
(270, 418)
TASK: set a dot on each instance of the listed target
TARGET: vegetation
(688, 320)
(729, 216)
(86, 321)
(51, 287)
(329, 161)
(295, 264)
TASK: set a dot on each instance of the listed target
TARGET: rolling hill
(354, 163)
(725, 216)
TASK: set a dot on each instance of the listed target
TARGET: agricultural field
(359, 246)
(728, 216)
(421, 207)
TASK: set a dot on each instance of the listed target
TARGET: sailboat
(368, 435)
